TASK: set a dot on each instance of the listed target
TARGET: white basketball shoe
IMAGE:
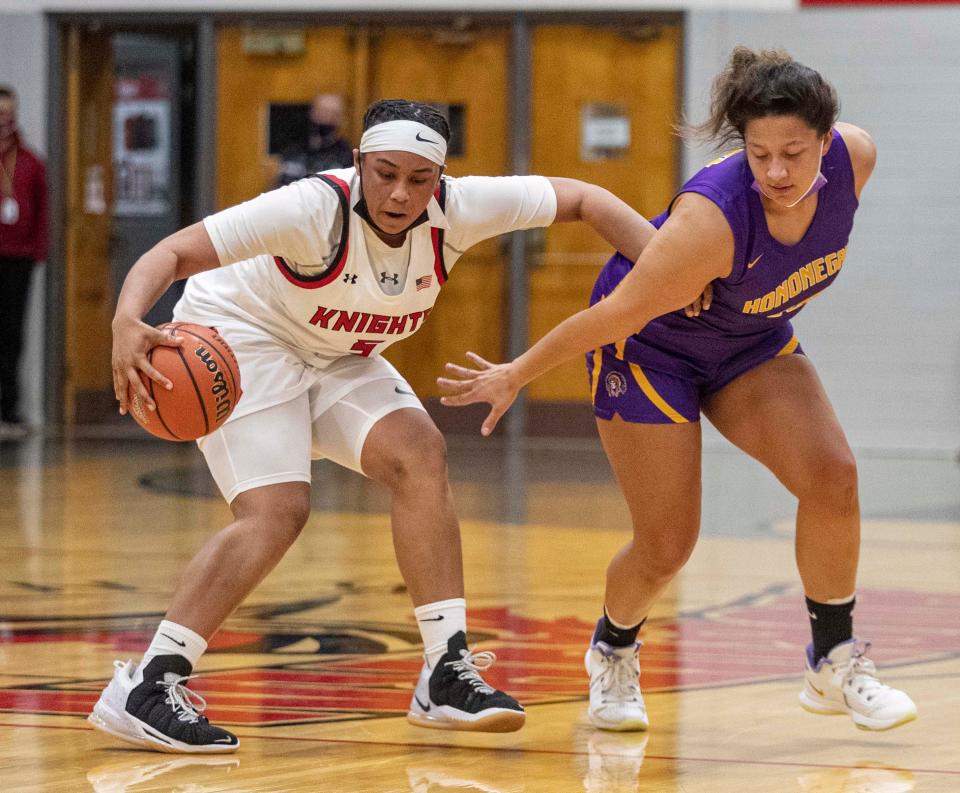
(846, 682)
(615, 699)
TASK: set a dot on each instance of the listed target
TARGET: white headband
(411, 136)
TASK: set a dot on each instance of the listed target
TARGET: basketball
(206, 385)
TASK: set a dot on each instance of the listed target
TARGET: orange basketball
(206, 385)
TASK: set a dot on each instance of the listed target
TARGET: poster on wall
(604, 132)
(141, 145)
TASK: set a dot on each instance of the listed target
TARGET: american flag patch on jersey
(424, 281)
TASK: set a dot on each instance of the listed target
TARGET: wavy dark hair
(761, 84)
(405, 110)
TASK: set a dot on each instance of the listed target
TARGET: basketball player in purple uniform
(767, 227)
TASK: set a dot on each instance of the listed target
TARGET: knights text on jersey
(301, 268)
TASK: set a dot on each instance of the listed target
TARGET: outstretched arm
(694, 247)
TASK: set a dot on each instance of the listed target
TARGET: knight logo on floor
(306, 669)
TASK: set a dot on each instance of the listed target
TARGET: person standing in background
(23, 243)
(324, 147)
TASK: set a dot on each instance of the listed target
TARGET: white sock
(173, 639)
(438, 622)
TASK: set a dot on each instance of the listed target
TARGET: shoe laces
(618, 677)
(186, 704)
(470, 666)
(861, 673)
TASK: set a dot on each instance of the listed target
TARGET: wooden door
(468, 72)
(89, 289)
(248, 83)
(632, 74)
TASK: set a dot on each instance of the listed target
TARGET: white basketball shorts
(330, 420)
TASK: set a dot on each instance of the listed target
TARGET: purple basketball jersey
(662, 374)
(769, 281)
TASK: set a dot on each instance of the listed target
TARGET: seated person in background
(324, 147)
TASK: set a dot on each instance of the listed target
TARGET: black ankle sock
(610, 634)
(831, 625)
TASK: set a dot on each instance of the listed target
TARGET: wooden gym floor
(314, 672)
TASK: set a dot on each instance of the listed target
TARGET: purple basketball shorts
(664, 380)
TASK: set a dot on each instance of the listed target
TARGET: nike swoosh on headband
(427, 140)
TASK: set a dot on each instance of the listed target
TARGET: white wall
(23, 62)
(886, 336)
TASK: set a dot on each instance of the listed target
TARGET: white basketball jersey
(302, 268)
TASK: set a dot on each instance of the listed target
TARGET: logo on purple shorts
(616, 384)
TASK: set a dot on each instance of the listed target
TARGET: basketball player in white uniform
(309, 284)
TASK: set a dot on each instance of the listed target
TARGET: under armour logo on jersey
(393, 277)
(349, 278)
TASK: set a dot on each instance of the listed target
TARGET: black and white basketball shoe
(152, 708)
(453, 695)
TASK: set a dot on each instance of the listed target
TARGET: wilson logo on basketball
(136, 407)
(219, 388)
(206, 384)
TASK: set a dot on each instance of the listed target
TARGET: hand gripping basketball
(206, 385)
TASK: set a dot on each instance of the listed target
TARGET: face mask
(321, 130)
(818, 182)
